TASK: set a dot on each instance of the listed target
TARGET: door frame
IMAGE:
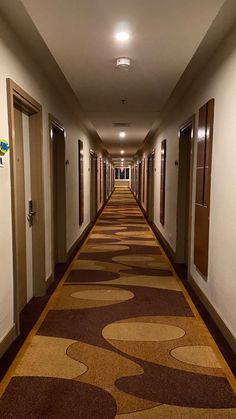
(16, 95)
(53, 122)
(190, 123)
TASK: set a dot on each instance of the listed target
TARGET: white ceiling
(164, 36)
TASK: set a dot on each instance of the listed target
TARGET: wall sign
(4, 147)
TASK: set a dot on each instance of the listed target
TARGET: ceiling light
(122, 134)
(123, 64)
(122, 159)
(122, 36)
(121, 151)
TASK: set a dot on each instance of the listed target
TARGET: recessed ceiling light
(122, 134)
(122, 36)
(121, 151)
(122, 159)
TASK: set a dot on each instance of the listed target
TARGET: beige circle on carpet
(135, 233)
(134, 258)
(109, 228)
(140, 331)
(113, 294)
(203, 356)
(104, 248)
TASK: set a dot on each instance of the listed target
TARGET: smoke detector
(123, 64)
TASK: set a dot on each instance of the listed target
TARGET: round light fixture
(121, 151)
(122, 36)
(122, 160)
(122, 134)
(123, 63)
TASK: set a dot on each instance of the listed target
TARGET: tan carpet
(120, 338)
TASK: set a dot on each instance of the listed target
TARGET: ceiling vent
(123, 63)
(121, 124)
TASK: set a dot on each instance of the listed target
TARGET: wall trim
(78, 243)
(7, 340)
(213, 313)
(167, 247)
(49, 281)
(164, 243)
(81, 239)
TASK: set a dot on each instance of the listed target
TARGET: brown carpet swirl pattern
(120, 338)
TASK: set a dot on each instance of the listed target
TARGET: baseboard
(164, 243)
(215, 316)
(78, 243)
(7, 340)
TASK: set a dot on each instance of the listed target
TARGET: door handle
(30, 216)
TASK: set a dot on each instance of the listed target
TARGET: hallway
(120, 337)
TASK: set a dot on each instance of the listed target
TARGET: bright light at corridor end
(121, 151)
(122, 134)
(122, 36)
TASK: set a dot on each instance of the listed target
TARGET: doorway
(150, 187)
(28, 224)
(185, 164)
(93, 185)
(58, 188)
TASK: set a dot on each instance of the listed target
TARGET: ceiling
(164, 36)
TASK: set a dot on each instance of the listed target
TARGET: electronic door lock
(31, 213)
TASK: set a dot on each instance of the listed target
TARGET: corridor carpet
(120, 337)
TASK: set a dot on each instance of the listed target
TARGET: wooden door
(58, 190)
(25, 135)
(19, 209)
(184, 194)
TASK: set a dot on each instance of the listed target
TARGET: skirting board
(49, 281)
(163, 242)
(7, 340)
(215, 316)
(157, 232)
(75, 247)
(78, 243)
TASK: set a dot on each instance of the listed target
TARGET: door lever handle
(30, 216)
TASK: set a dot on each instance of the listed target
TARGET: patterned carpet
(120, 337)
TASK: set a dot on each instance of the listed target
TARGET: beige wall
(17, 64)
(217, 80)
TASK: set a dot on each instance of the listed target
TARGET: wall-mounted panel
(163, 182)
(144, 169)
(81, 181)
(203, 186)
(100, 178)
